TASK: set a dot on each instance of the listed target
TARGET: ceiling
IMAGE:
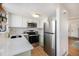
(44, 9)
(26, 9)
(73, 10)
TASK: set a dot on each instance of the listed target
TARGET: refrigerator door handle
(48, 33)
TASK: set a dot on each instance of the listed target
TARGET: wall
(74, 28)
(62, 31)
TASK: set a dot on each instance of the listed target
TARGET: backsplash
(19, 30)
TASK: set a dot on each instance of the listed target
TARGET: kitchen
(26, 29)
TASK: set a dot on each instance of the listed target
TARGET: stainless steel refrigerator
(50, 37)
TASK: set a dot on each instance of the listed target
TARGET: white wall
(62, 31)
(74, 28)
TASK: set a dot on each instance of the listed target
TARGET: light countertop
(15, 46)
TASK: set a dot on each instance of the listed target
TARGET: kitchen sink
(16, 36)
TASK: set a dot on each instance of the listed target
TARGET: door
(49, 44)
(50, 26)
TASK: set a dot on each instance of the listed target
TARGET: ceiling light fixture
(36, 15)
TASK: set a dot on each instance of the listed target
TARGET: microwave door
(32, 25)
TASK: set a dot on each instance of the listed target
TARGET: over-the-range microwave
(32, 25)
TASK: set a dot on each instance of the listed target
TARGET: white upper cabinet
(15, 21)
(24, 21)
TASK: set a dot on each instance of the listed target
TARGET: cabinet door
(24, 22)
(15, 21)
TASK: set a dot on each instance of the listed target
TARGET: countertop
(15, 46)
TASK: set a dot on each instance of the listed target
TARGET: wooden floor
(73, 51)
(38, 51)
